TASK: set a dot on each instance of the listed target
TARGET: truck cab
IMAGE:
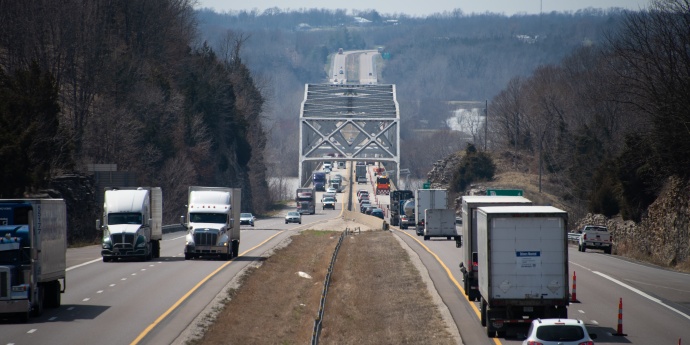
(214, 222)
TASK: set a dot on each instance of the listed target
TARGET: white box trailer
(523, 265)
(32, 255)
(440, 223)
(428, 199)
(468, 264)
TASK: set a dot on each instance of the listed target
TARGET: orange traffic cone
(573, 295)
(619, 331)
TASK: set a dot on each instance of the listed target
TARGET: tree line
(609, 123)
(126, 83)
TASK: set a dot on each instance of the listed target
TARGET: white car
(293, 217)
(247, 218)
(331, 190)
(558, 332)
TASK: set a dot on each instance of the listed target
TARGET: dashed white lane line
(581, 311)
(99, 291)
(134, 274)
(123, 279)
(111, 285)
(595, 322)
(84, 264)
(32, 330)
(86, 299)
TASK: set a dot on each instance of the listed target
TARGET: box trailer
(468, 264)
(523, 265)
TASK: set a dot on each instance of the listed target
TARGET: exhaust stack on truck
(132, 223)
(523, 265)
(213, 215)
(33, 247)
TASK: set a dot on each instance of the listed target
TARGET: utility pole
(486, 122)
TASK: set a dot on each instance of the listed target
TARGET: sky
(424, 8)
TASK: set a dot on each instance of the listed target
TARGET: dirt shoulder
(377, 295)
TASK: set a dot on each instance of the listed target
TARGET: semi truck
(426, 199)
(468, 264)
(409, 211)
(319, 180)
(383, 185)
(33, 260)
(213, 227)
(440, 223)
(132, 223)
(398, 197)
(523, 266)
(361, 174)
(306, 200)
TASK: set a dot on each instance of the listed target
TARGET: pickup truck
(595, 236)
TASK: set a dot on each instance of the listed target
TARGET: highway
(656, 302)
(154, 302)
(145, 302)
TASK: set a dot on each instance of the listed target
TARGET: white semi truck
(132, 223)
(523, 265)
(427, 199)
(213, 215)
(468, 264)
(440, 223)
(33, 247)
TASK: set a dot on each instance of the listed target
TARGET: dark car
(369, 209)
(377, 212)
(363, 206)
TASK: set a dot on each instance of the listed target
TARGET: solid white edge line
(643, 294)
(84, 264)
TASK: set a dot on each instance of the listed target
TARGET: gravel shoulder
(380, 293)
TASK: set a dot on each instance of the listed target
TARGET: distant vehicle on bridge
(340, 50)
(319, 179)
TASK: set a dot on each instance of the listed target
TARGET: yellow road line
(450, 275)
(190, 292)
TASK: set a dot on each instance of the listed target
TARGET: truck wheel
(24, 317)
(187, 256)
(448, 238)
(37, 309)
(156, 249)
(584, 247)
(483, 313)
(235, 249)
(501, 334)
(107, 259)
(426, 238)
(52, 295)
(607, 250)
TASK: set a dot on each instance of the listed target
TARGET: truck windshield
(124, 218)
(220, 218)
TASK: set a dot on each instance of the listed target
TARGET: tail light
(532, 342)
(586, 343)
(584, 237)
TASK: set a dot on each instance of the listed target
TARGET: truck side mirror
(182, 220)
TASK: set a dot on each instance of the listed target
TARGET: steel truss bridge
(349, 122)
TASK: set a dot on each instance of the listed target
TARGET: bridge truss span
(349, 122)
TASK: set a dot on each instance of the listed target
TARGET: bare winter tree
(652, 46)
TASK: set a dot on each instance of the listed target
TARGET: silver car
(293, 217)
(246, 218)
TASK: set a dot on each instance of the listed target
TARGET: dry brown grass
(376, 296)
(275, 305)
